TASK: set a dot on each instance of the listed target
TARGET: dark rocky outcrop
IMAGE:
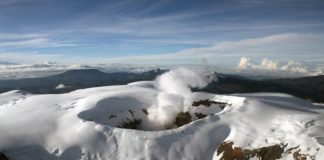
(228, 151)
(3, 156)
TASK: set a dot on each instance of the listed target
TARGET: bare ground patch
(228, 151)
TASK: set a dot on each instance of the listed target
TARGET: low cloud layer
(271, 66)
(15, 71)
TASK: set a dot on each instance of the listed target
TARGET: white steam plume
(175, 93)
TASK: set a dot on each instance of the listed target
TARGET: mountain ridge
(311, 88)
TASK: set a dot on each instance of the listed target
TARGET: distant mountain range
(75, 79)
(311, 88)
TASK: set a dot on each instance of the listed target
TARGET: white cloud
(286, 46)
(10, 36)
(244, 63)
(266, 64)
(289, 43)
(35, 43)
(256, 42)
(30, 40)
(294, 67)
(269, 66)
(28, 57)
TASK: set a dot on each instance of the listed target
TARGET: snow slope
(83, 125)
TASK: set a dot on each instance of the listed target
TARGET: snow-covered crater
(91, 123)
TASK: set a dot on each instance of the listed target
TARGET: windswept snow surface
(82, 125)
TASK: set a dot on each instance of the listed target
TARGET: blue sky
(217, 32)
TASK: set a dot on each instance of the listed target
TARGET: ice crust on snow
(76, 125)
